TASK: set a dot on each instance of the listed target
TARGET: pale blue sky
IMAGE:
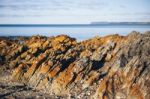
(72, 11)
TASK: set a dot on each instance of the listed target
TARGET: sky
(73, 11)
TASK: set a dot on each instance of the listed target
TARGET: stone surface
(111, 67)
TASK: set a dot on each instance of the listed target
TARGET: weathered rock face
(111, 67)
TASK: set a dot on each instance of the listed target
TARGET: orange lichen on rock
(110, 67)
(35, 66)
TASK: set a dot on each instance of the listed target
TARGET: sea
(80, 32)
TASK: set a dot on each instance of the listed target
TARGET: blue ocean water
(78, 32)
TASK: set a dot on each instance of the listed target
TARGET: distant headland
(120, 23)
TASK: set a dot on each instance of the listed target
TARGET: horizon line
(79, 24)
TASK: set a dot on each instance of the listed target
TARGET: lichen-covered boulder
(111, 67)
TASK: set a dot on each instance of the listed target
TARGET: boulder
(110, 67)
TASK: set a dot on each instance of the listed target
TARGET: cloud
(53, 4)
(39, 8)
(81, 9)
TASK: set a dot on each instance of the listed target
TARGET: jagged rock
(111, 67)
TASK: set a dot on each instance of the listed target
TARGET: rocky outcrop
(111, 67)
